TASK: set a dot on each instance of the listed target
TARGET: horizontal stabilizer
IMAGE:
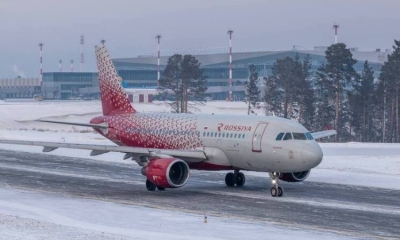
(322, 134)
(101, 126)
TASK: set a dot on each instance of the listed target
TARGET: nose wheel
(276, 190)
(236, 178)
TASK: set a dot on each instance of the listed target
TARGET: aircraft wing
(322, 134)
(187, 155)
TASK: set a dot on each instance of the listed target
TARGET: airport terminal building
(19, 87)
(141, 72)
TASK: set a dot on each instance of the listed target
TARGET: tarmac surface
(349, 210)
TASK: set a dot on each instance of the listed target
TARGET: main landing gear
(276, 190)
(236, 178)
(152, 187)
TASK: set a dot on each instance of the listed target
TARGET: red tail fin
(113, 97)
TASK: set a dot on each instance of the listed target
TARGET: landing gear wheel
(230, 179)
(161, 188)
(150, 186)
(274, 191)
(280, 191)
(240, 179)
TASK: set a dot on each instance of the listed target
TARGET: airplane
(167, 146)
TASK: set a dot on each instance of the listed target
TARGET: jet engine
(167, 172)
(294, 176)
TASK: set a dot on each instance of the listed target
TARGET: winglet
(113, 97)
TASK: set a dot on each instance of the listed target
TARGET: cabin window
(231, 135)
(309, 136)
(212, 134)
(287, 136)
(243, 135)
(235, 135)
(219, 135)
(204, 134)
(299, 136)
(279, 137)
(223, 135)
(208, 134)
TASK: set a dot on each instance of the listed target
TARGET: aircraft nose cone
(312, 155)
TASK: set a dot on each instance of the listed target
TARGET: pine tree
(252, 91)
(284, 75)
(380, 114)
(304, 93)
(272, 97)
(363, 104)
(340, 72)
(390, 78)
(182, 80)
(324, 107)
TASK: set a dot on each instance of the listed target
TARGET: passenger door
(257, 137)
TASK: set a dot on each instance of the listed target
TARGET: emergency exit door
(257, 136)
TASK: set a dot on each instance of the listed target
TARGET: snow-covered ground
(29, 215)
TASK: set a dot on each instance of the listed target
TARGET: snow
(30, 215)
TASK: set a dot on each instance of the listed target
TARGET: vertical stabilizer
(113, 97)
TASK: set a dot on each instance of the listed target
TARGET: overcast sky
(130, 27)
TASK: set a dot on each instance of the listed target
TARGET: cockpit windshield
(295, 136)
(309, 136)
(299, 136)
(279, 137)
(287, 136)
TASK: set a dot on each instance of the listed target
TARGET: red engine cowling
(167, 172)
(295, 176)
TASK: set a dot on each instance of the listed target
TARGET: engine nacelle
(167, 172)
(295, 176)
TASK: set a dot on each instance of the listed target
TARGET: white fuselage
(249, 143)
(228, 141)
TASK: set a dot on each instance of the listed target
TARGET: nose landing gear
(236, 178)
(276, 190)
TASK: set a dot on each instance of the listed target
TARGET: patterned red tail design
(113, 97)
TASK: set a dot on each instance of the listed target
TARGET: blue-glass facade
(142, 73)
(65, 85)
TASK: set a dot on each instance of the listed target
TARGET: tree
(252, 91)
(363, 105)
(290, 83)
(182, 79)
(304, 92)
(272, 97)
(390, 78)
(324, 107)
(339, 71)
(284, 76)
